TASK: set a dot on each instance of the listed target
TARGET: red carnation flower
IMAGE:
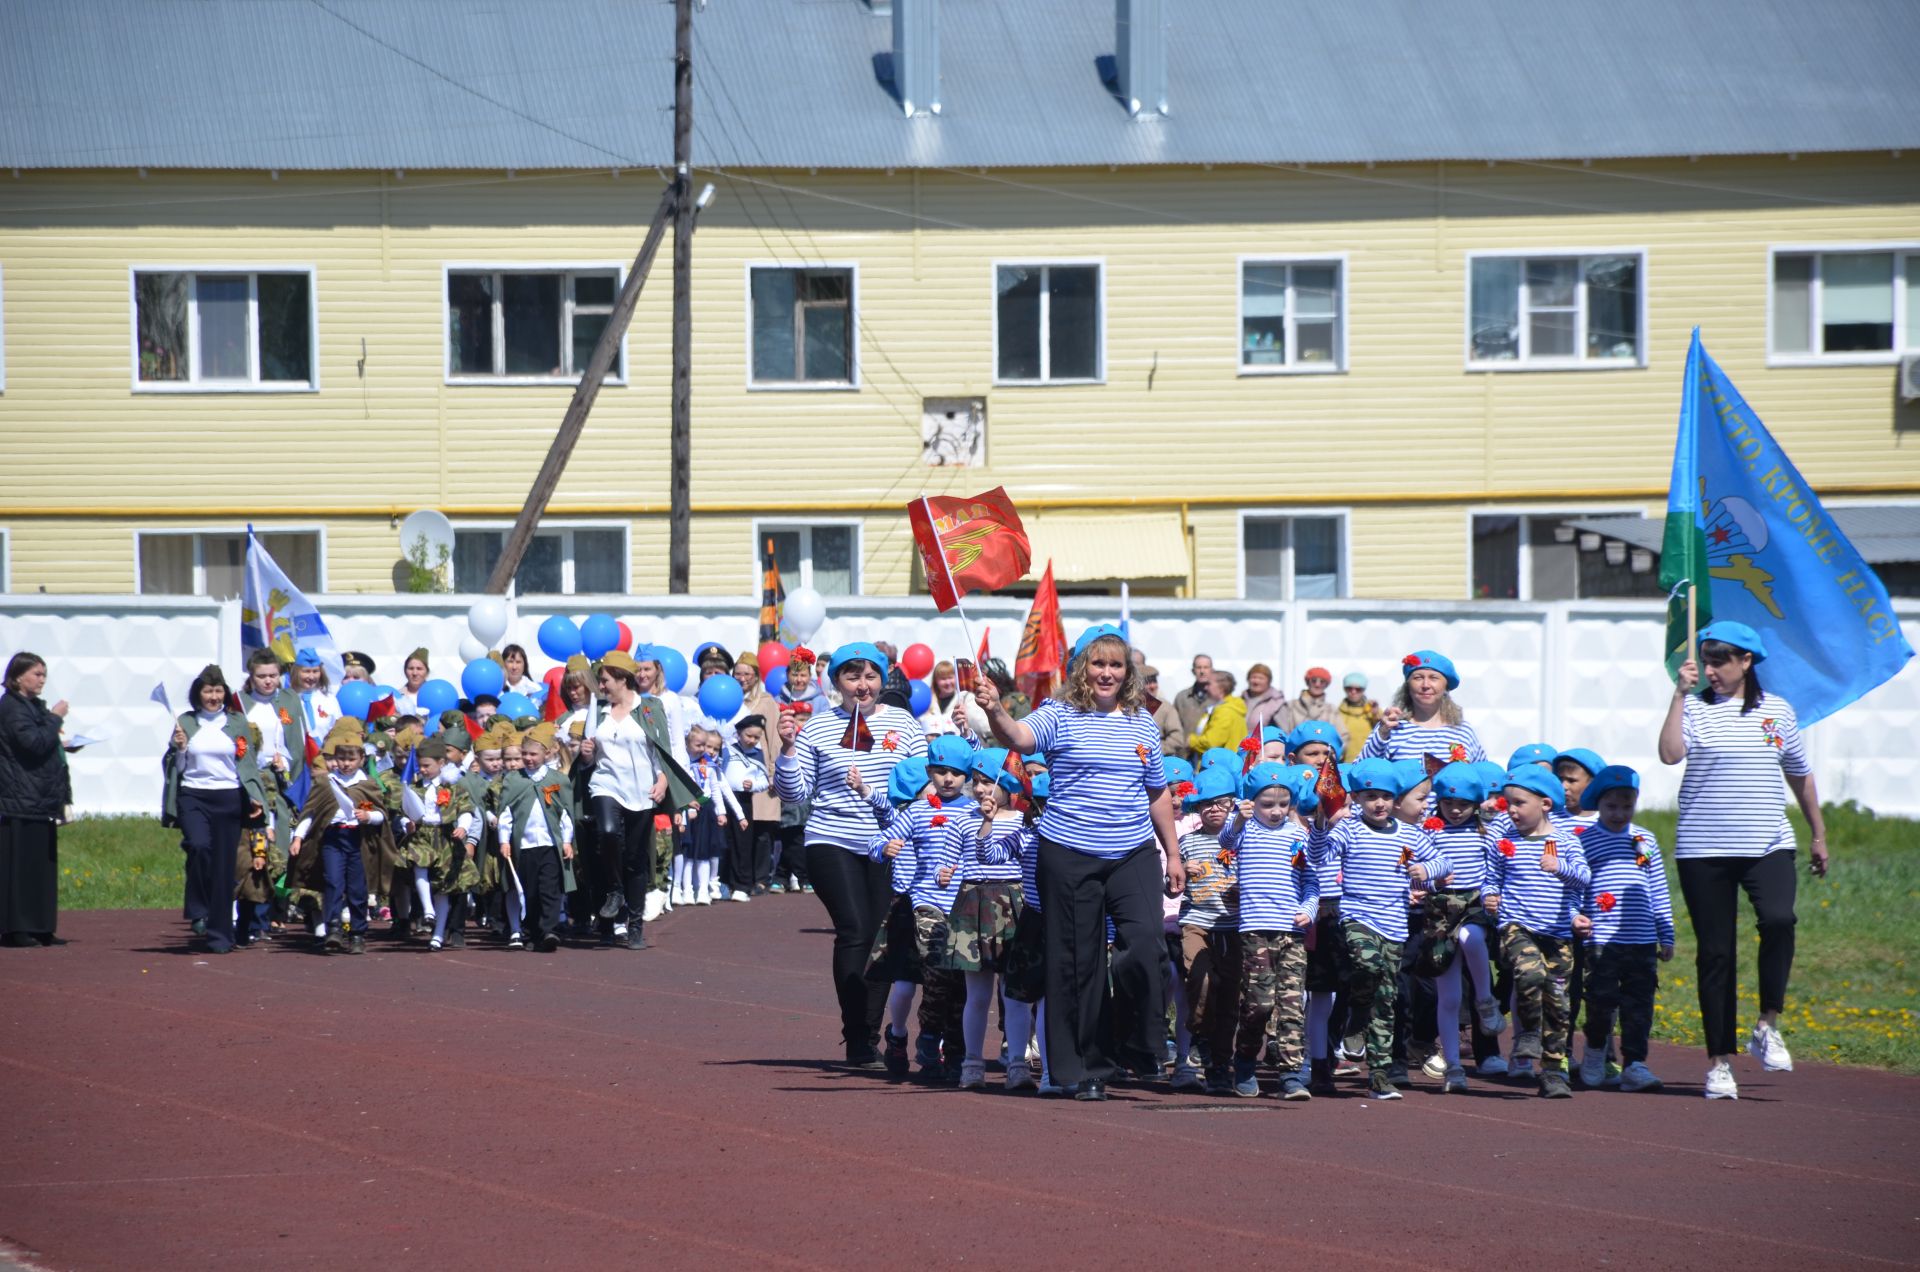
(1433, 823)
(1457, 753)
(1411, 660)
(1581, 830)
(1500, 802)
(934, 800)
(1506, 847)
(802, 654)
(1183, 789)
(1606, 901)
(938, 819)
(1250, 745)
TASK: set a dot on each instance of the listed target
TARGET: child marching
(1279, 899)
(1631, 917)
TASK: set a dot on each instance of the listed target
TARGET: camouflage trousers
(1273, 992)
(1373, 986)
(1622, 980)
(943, 991)
(1541, 1016)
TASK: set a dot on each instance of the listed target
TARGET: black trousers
(752, 853)
(791, 843)
(856, 891)
(210, 826)
(1088, 1034)
(1712, 887)
(539, 869)
(626, 836)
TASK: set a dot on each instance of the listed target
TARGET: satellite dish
(435, 529)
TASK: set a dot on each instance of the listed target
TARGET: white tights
(973, 1021)
(1446, 987)
(1473, 949)
(899, 1004)
(1319, 1013)
(423, 889)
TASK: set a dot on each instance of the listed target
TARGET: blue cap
(1095, 633)
(1408, 774)
(1372, 775)
(991, 763)
(307, 657)
(1261, 776)
(1580, 755)
(1176, 769)
(1209, 786)
(1614, 777)
(1739, 635)
(1304, 781)
(1492, 776)
(1309, 731)
(1034, 757)
(858, 651)
(1220, 757)
(1531, 753)
(1427, 658)
(1041, 783)
(1539, 779)
(1271, 733)
(1460, 781)
(950, 751)
(907, 780)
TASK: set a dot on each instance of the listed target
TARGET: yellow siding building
(1271, 345)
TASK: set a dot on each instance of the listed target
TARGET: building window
(803, 331)
(1573, 311)
(1292, 558)
(1845, 306)
(561, 560)
(1291, 318)
(529, 325)
(822, 557)
(214, 563)
(223, 330)
(1047, 324)
(1528, 557)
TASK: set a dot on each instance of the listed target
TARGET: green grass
(1855, 996)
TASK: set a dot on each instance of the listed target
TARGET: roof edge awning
(1108, 547)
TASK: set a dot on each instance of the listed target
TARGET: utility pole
(680, 515)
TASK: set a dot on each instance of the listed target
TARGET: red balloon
(556, 705)
(773, 654)
(916, 661)
(626, 636)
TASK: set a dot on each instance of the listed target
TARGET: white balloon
(804, 612)
(487, 620)
(471, 650)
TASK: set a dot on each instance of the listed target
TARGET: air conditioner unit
(1910, 378)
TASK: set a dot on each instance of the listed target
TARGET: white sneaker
(1019, 1077)
(706, 898)
(619, 929)
(1637, 1077)
(973, 1075)
(1492, 1067)
(1767, 1046)
(1491, 1021)
(677, 897)
(1033, 1053)
(656, 902)
(793, 883)
(1187, 1078)
(1720, 1083)
(1435, 1067)
(741, 894)
(1593, 1066)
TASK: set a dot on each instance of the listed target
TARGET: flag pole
(1693, 626)
(934, 526)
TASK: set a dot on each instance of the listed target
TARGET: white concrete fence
(1574, 673)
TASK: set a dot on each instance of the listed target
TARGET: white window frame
(764, 526)
(199, 534)
(567, 525)
(1524, 512)
(1906, 259)
(253, 383)
(849, 385)
(1579, 362)
(1293, 365)
(1343, 583)
(1099, 263)
(450, 268)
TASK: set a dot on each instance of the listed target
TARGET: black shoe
(1321, 1081)
(1090, 1090)
(199, 927)
(636, 937)
(333, 941)
(1554, 1085)
(1397, 1074)
(863, 1055)
(357, 944)
(549, 943)
(456, 940)
(896, 1055)
(611, 907)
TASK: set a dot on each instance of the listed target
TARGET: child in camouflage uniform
(1279, 894)
(985, 908)
(442, 843)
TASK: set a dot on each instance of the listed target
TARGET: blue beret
(1407, 774)
(1308, 731)
(1739, 635)
(1261, 776)
(1041, 783)
(1614, 777)
(1095, 633)
(907, 779)
(1034, 757)
(1583, 757)
(1436, 662)
(950, 751)
(1372, 775)
(307, 657)
(1220, 757)
(1539, 779)
(1177, 769)
(1492, 775)
(1271, 733)
(1209, 786)
(991, 763)
(1304, 781)
(1460, 781)
(858, 651)
(1531, 753)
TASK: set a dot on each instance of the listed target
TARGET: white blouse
(623, 769)
(209, 762)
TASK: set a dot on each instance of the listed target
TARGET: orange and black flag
(771, 596)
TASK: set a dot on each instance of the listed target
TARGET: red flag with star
(968, 544)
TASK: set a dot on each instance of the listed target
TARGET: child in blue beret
(1532, 753)
(1279, 900)
(1632, 933)
(1206, 951)
(1575, 768)
(986, 906)
(1273, 745)
(1453, 913)
(1023, 976)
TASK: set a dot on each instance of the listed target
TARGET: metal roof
(1884, 535)
(544, 84)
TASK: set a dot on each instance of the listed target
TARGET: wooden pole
(584, 394)
(680, 488)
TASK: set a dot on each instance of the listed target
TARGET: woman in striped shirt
(1743, 752)
(1424, 719)
(1098, 858)
(837, 756)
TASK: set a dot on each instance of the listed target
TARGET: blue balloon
(922, 696)
(482, 676)
(560, 638)
(673, 666)
(356, 696)
(720, 697)
(437, 696)
(515, 705)
(388, 691)
(599, 635)
(775, 680)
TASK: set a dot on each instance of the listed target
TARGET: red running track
(679, 1106)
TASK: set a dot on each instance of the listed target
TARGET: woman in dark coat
(34, 793)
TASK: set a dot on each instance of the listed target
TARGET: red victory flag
(968, 545)
(1043, 642)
